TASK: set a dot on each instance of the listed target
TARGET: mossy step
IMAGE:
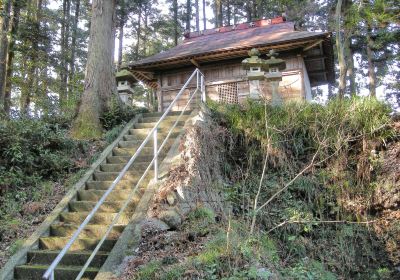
(145, 131)
(131, 176)
(106, 207)
(159, 114)
(122, 185)
(115, 167)
(77, 218)
(35, 272)
(141, 137)
(80, 244)
(125, 159)
(167, 118)
(46, 257)
(115, 195)
(136, 143)
(165, 124)
(148, 151)
(90, 231)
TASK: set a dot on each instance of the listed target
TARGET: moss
(87, 127)
(148, 271)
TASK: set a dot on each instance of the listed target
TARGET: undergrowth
(321, 220)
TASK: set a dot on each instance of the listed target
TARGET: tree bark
(350, 69)
(4, 43)
(218, 13)
(204, 15)
(228, 12)
(139, 30)
(340, 50)
(188, 14)
(100, 85)
(30, 89)
(14, 24)
(197, 15)
(371, 64)
(73, 42)
(175, 12)
(121, 35)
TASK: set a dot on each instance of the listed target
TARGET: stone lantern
(256, 68)
(125, 83)
(274, 76)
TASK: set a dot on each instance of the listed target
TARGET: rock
(171, 218)
(153, 225)
(171, 199)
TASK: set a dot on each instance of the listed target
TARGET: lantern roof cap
(275, 62)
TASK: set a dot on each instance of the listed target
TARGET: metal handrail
(200, 87)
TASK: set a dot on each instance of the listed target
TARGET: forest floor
(21, 224)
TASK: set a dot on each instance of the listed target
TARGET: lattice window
(228, 93)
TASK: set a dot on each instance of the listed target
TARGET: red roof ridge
(230, 28)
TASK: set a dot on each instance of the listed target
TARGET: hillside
(299, 192)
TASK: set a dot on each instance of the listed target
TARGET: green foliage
(118, 114)
(342, 135)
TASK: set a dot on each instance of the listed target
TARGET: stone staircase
(39, 259)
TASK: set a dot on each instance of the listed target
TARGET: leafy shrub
(119, 114)
(32, 151)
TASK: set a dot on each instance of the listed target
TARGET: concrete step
(130, 176)
(163, 126)
(147, 151)
(35, 272)
(90, 231)
(135, 144)
(80, 244)
(104, 185)
(115, 195)
(109, 167)
(77, 218)
(167, 118)
(106, 207)
(141, 137)
(125, 159)
(46, 257)
(143, 132)
(159, 114)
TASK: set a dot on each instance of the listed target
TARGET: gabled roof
(235, 41)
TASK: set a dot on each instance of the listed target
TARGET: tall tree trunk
(100, 85)
(29, 90)
(371, 64)
(139, 30)
(73, 44)
(228, 12)
(145, 35)
(204, 15)
(340, 50)
(14, 24)
(218, 13)
(188, 14)
(175, 12)
(4, 28)
(197, 15)
(63, 59)
(121, 35)
(350, 68)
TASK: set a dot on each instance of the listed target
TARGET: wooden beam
(192, 60)
(320, 71)
(312, 45)
(314, 57)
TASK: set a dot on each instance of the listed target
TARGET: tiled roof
(229, 39)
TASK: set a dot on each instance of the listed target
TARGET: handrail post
(155, 155)
(203, 90)
(197, 79)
